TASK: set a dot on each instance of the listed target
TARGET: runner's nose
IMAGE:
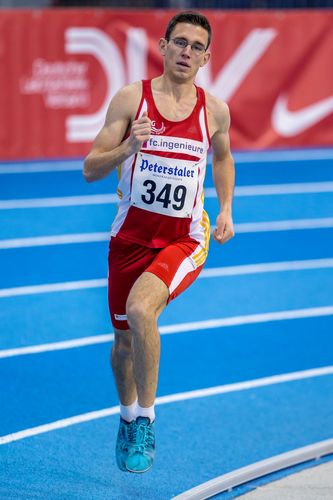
(187, 50)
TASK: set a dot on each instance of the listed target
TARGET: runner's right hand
(140, 132)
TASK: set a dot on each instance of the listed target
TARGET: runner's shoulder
(130, 91)
(218, 112)
(126, 101)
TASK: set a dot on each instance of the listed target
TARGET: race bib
(165, 186)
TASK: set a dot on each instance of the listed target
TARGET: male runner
(158, 133)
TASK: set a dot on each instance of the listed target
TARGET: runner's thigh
(127, 261)
(177, 265)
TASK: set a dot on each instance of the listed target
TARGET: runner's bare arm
(109, 149)
(223, 167)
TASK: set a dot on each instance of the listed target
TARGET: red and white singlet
(161, 187)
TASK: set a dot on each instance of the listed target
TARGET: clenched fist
(140, 132)
(224, 230)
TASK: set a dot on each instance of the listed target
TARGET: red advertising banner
(60, 69)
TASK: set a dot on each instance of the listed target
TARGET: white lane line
(172, 398)
(57, 346)
(61, 239)
(277, 189)
(285, 156)
(212, 272)
(269, 267)
(101, 199)
(58, 424)
(284, 225)
(53, 287)
(63, 201)
(239, 156)
(249, 319)
(176, 328)
(36, 167)
(246, 227)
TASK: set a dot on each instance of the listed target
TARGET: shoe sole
(139, 471)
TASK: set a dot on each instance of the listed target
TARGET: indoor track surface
(247, 359)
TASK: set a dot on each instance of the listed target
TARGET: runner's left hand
(224, 230)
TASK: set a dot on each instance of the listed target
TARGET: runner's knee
(138, 312)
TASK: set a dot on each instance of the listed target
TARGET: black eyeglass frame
(202, 48)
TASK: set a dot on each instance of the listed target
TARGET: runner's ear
(205, 59)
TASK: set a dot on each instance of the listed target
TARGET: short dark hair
(190, 17)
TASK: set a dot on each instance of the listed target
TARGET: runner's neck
(174, 102)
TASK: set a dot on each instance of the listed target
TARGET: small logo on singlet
(157, 130)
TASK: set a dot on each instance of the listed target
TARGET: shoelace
(132, 432)
(141, 436)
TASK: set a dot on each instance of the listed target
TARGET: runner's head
(189, 17)
(185, 45)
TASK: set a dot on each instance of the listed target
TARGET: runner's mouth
(183, 64)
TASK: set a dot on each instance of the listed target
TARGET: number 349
(164, 196)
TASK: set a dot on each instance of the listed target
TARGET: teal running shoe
(123, 441)
(141, 451)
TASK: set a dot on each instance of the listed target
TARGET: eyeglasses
(182, 43)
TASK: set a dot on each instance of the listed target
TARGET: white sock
(128, 413)
(145, 412)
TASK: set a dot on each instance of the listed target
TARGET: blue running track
(263, 307)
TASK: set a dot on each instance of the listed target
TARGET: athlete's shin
(146, 353)
(122, 367)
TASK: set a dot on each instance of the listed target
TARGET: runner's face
(184, 62)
